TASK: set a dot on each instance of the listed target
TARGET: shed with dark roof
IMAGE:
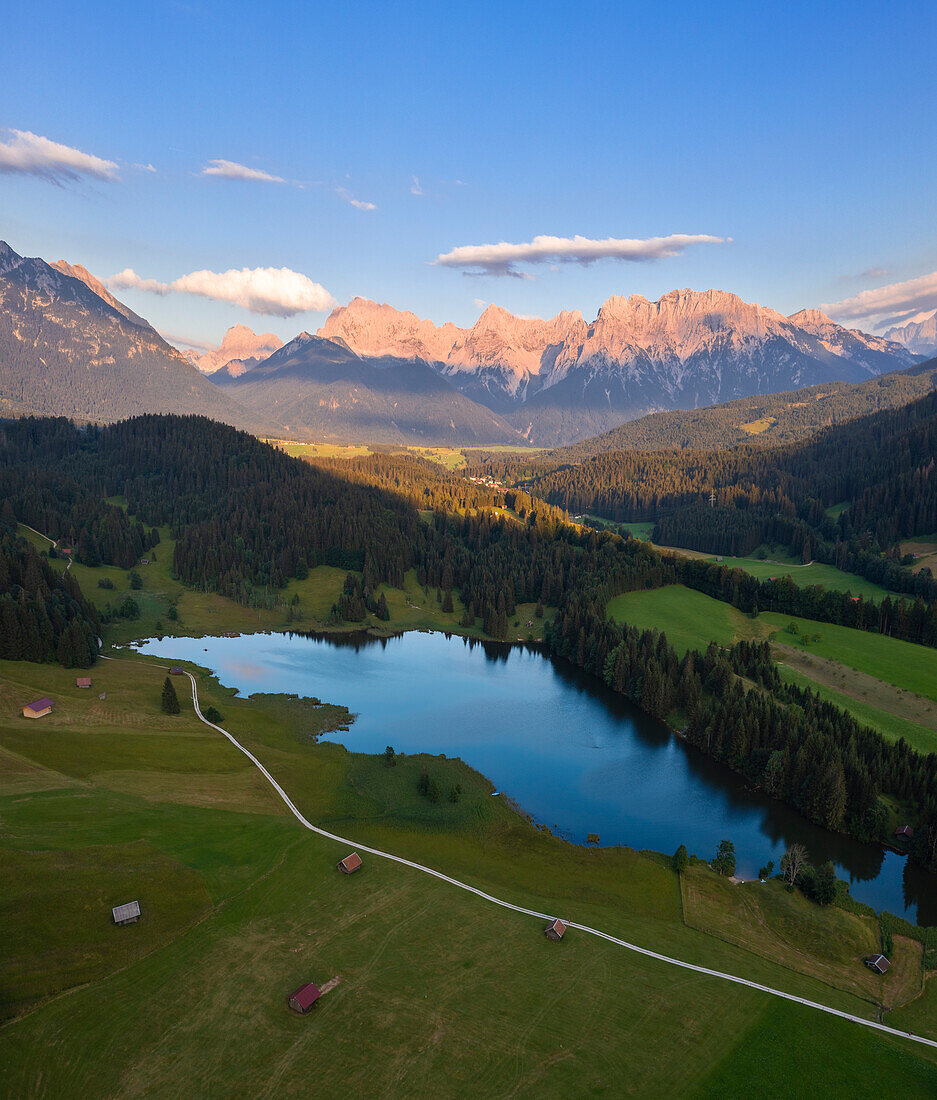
(878, 963)
(905, 832)
(302, 999)
(350, 863)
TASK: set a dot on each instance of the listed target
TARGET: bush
(724, 863)
(105, 582)
(680, 860)
(455, 793)
(390, 757)
(213, 715)
(136, 581)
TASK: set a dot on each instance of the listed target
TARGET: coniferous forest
(247, 517)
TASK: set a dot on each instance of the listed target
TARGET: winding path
(546, 916)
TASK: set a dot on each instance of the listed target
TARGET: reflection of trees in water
(353, 639)
(919, 890)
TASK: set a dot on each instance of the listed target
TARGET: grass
(887, 667)
(321, 450)
(924, 550)
(756, 427)
(781, 565)
(836, 510)
(240, 906)
(782, 926)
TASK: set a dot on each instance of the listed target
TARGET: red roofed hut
(556, 930)
(905, 832)
(83, 681)
(878, 963)
(38, 708)
(302, 999)
(350, 863)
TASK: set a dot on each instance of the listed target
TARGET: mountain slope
(771, 420)
(66, 350)
(563, 379)
(322, 389)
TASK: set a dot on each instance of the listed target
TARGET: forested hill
(769, 421)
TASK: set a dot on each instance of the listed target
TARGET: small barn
(302, 999)
(556, 930)
(878, 963)
(83, 681)
(175, 671)
(103, 695)
(350, 863)
(904, 832)
(38, 708)
(126, 913)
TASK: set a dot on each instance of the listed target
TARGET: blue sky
(806, 134)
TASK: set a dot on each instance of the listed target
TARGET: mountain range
(374, 373)
(919, 335)
(563, 379)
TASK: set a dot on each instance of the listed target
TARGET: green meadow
(691, 620)
(438, 993)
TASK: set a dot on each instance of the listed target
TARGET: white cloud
(358, 204)
(128, 279)
(887, 304)
(500, 259)
(38, 156)
(278, 292)
(231, 170)
(415, 188)
(480, 302)
(874, 273)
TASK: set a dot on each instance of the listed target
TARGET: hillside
(770, 420)
(321, 389)
(67, 351)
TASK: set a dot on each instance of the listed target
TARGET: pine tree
(170, 701)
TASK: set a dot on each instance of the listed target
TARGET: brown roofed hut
(350, 863)
(905, 832)
(83, 681)
(302, 999)
(878, 963)
(38, 708)
(556, 930)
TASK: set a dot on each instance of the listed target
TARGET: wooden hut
(904, 832)
(350, 863)
(38, 708)
(126, 913)
(302, 999)
(83, 681)
(175, 671)
(878, 963)
(556, 930)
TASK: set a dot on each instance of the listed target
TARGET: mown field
(828, 655)
(439, 993)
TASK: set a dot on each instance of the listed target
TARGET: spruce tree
(170, 702)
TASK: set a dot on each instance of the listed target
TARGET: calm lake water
(572, 754)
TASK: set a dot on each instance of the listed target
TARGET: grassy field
(924, 550)
(777, 565)
(691, 620)
(321, 450)
(240, 906)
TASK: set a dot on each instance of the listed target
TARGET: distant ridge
(565, 379)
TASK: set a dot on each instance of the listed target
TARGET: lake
(572, 754)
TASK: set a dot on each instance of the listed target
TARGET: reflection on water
(573, 754)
